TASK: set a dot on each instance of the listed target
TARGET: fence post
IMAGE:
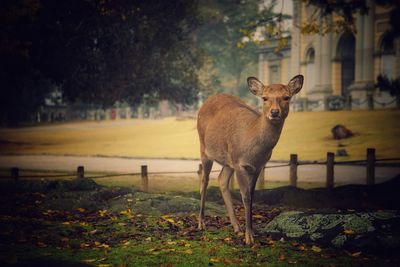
(145, 178)
(80, 172)
(261, 179)
(15, 173)
(370, 102)
(200, 173)
(293, 170)
(370, 166)
(330, 162)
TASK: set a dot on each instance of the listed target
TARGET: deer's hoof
(202, 225)
(249, 239)
(236, 228)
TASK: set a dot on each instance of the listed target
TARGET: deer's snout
(275, 113)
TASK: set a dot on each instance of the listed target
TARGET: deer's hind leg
(205, 176)
(223, 179)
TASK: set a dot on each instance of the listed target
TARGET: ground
(304, 133)
(79, 223)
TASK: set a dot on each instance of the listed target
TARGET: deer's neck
(269, 132)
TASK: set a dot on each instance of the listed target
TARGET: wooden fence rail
(293, 164)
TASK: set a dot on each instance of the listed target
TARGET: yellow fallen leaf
(102, 213)
(171, 243)
(148, 238)
(214, 260)
(97, 243)
(89, 260)
(126, 212)
(257, 216)
(349, 232)
(316, 249)
(66, 223)
(103, 265)
(356, 254)
(188, 251)
(81, 209)
(105, 246)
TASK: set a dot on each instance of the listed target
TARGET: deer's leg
(246, 179)
(205, 176)
(224, 177)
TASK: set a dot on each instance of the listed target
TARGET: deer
(241, 139)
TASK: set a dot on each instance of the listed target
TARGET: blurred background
(120, 78)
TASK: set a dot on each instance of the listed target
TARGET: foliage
(344, 13)
(98, 51)
(221, 38)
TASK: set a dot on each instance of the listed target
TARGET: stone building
(340, 69)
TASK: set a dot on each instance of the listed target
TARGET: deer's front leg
(245, 177)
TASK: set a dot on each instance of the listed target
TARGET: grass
(54, 238)
(305, 133)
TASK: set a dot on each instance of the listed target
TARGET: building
(340, 69)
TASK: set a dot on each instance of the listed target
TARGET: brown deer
(241, 139)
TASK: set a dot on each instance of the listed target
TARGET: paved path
(306, 173)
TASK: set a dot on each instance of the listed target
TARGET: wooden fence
(370, 163)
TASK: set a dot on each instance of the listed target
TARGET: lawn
(67, 224)
(305, 133)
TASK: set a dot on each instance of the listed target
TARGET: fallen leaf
(281, 257)
(257, 216)
(148, 238)
(89, 260)
(214, 260)
(188, 251)
(349, 232)
(81, 209)
(316, 249)
(102, 213)
(356, 254)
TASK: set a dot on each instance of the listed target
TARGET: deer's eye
(286, 98)
(265, 98)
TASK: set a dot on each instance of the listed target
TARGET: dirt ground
(306, 173)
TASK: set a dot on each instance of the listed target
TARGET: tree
(221, 37)
(99, 51)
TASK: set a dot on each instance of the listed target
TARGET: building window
(310, 68)
(274, 75)
(388, 57)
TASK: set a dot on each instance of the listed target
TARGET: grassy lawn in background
(306, 133)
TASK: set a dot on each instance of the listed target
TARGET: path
(306, 173)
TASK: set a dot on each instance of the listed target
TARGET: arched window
(345, 52)
(310, 68)
(388, 57)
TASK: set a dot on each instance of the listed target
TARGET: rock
(158, 204)
(341, 132)
(341, 152)
(360, 230)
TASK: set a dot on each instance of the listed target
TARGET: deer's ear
(295, 84)
(255, 86)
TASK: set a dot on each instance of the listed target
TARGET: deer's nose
(274, 113)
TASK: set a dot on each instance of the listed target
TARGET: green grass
(119, 240)
(305, 133)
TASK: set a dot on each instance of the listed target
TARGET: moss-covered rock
(361, 230)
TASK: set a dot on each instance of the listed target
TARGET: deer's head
(276, 97)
